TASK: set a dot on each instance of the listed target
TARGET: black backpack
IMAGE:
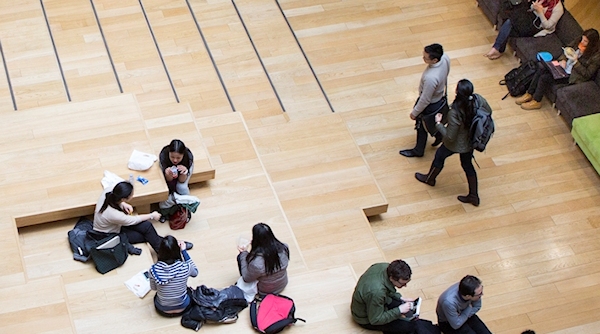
(518, 79)
(273, 313)
(482, 128)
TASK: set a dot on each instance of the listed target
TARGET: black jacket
(213, 305)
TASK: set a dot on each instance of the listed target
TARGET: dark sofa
(572, 101)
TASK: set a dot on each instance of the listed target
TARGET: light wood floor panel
(533, 240)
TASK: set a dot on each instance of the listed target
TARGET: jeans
(473, 325)
(465, 160)
(503, 35)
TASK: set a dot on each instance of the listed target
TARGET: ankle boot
(430, 177)
(524, 98)
(472, 197)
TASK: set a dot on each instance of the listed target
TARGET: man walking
(431, 96)
(457, 307)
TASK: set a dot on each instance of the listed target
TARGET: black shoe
(410, 153)
(162, 219)
(438, 140)
(188, 245)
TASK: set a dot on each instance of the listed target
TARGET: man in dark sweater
(457, 307)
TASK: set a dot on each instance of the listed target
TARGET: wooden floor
(301, 107)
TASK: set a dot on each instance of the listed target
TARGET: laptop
(558, 72)
(110, 243)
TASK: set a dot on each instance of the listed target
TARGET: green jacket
(373, 291)
(585, 68)
(456, 135)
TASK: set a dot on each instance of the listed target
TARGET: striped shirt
(170, 282)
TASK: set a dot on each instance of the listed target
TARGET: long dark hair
(266, 245)
(593, 43)
(169, 251)
(178, 146)
(464, 101)
(113, 198)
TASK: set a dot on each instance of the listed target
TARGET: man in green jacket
(376, 305)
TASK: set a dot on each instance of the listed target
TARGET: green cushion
(586, 132)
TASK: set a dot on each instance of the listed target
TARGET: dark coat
(213, 305)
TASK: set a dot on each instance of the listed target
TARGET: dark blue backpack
(482, 128)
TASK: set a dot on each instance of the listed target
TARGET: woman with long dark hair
(177, 163)
(169, 275)
(266, 262)
(581, 66)
(531, 19)
(457, 138)
(114, 215)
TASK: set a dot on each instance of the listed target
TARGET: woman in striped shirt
(169, 277)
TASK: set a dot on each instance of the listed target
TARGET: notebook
(558, 72)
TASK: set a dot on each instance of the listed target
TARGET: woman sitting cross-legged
(169, 278)
(266, 262)
(581, 67)
(457, 138)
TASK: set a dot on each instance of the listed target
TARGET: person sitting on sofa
(539, 20)
(582, 67)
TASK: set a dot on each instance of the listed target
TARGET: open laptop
(558, 72)
(110, 243)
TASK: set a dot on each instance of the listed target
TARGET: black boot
(473, 196)
(438, 139)
(430, 177)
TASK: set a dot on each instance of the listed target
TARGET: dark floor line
(12, 95)
(210, 55)
(158, 50)
(305, 57)
(55, 51)
(258, 55)
(112, 64)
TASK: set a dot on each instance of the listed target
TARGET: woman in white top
(113, 215)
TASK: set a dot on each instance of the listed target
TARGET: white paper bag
(140, 160)
(250, 289)
(110, 179)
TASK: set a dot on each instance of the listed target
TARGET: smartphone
(147, 275)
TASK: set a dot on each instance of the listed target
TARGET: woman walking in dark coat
(457, 138)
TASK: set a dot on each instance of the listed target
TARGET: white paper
(139, 284)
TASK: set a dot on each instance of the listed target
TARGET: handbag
(179, 218)
(428, 119)
(110, 252)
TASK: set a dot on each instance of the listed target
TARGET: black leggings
(465, 160)
(143, 232)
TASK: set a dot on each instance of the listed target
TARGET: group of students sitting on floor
(265, 260)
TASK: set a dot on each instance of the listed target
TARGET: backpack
(482, 128)
(77, 239)
(273, 314)
(518, 79)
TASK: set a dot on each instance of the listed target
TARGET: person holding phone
(177, 163)
(376, 305)
(536, 20)
(169, 275)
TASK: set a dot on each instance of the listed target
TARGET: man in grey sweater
(431, 95)
(457, 307)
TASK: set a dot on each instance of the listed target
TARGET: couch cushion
(586, 132)
(528, 47)
(578, 100)
(567, 28)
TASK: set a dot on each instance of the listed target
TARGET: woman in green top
(457, 138)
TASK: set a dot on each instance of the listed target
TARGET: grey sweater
(256, 271)
(452, 308)
(433, 84)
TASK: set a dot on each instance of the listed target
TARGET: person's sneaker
(188, 245)
(162, 219)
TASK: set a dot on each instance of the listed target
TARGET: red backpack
(273, 314)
